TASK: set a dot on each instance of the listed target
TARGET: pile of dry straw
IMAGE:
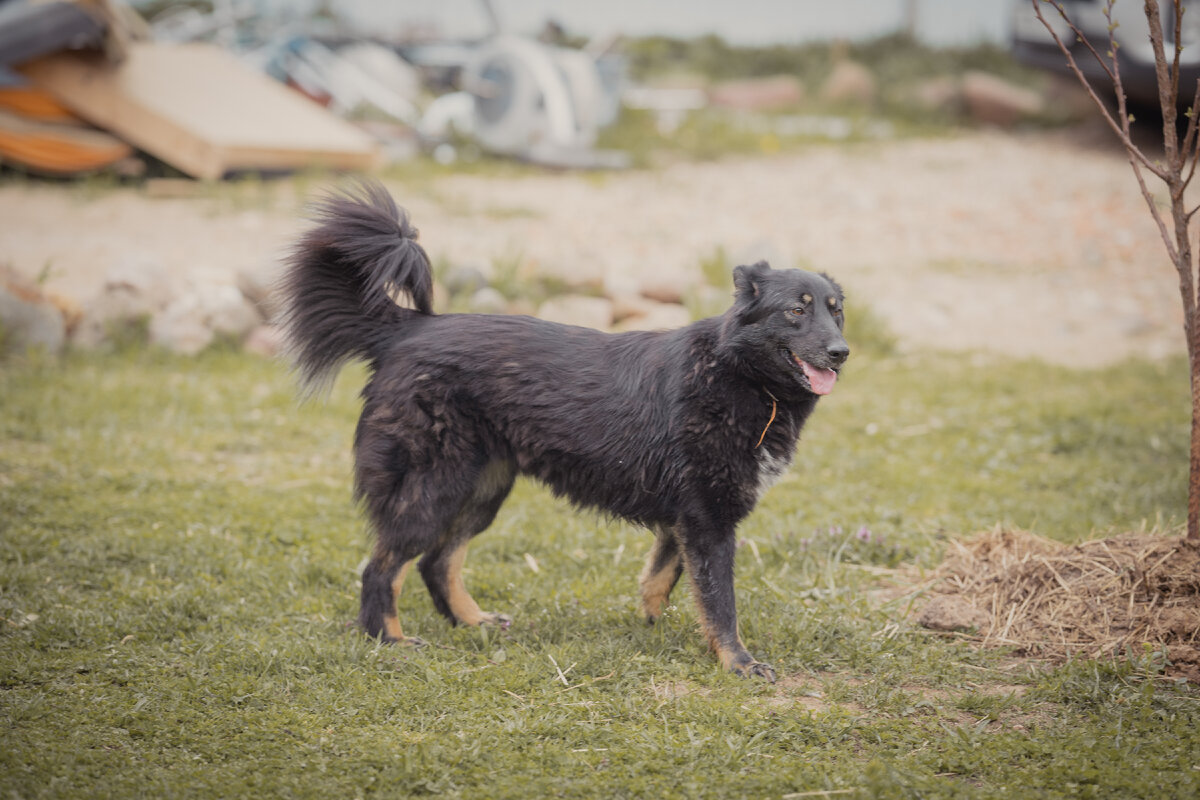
(1096, 599)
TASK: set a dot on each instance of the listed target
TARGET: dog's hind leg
(410, 510)
(661, 573)
(441, 568)
(381, 582)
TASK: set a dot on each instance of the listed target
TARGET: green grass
(178, 567)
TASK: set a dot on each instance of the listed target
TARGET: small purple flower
(863, 535)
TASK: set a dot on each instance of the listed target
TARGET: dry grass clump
(1094, 599)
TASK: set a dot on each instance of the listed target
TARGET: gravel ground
(1032, 245)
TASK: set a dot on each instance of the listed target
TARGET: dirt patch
(811, 693)
(1096, 599)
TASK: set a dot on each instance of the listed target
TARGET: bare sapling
(1176, 170)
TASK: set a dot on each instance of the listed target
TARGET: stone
(664, 288)
(133, 291)
(489, 300)
(265, 341)
(657, 317)
(952, 613)
(850, 83)
(758, 94)
(630, 304)
(181, 327)
(143, 277)
(193, 320)
(994, 101)
(574, 309)
(256, 285)
(464, 279)
(29, 321)
(574, 273)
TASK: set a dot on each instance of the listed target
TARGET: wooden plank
(201, 110)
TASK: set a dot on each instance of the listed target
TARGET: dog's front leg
(708, 555)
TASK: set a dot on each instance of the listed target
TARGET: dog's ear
(837, 287)
(747, 281)
(748, 291)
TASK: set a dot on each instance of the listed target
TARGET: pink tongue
(821, 380)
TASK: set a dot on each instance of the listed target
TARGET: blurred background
(933, 151)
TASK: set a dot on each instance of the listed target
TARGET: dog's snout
(838, 353)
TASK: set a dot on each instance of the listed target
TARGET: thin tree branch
(1168, 86)
(1162, 174)
(1120, 129)
(1191, 148)
(1178, 42)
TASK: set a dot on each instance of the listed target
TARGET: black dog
(681, 431)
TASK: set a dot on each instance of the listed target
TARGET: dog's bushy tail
(337, 293)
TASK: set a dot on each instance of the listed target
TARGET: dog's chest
(770, 469)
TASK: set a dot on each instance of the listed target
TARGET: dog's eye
(797, 311)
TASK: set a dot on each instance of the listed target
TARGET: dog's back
(595, 416)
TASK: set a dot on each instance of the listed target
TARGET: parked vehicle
(1032, 43)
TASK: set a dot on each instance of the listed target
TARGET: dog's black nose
(837, 353)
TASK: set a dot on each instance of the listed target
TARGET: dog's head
(785, 326)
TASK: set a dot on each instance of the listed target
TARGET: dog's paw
(756, 669)
(501, 621)
(404, 641)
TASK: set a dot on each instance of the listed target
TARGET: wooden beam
(202, 111)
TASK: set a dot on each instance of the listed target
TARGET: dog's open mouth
(820, 381)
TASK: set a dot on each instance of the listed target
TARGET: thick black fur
(660, 428)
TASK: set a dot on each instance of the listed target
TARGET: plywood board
(201, 110)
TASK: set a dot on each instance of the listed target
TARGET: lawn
(179, 559)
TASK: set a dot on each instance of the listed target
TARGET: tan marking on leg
(391, 621)
(462, 605)
(391, 627)
(656, 586)
(726, 655)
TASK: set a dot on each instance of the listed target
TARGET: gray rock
(134, 290)
(995, 101)
(626, 305)
(657, 317)
(144, 278)
(664, 289)
(181, 327)
(192, 321)
(573, 309)
(952, 613)
(256, 285)
(228, 311)
(29, 322)
(582, 273)
(464, 279)
(488, 301)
